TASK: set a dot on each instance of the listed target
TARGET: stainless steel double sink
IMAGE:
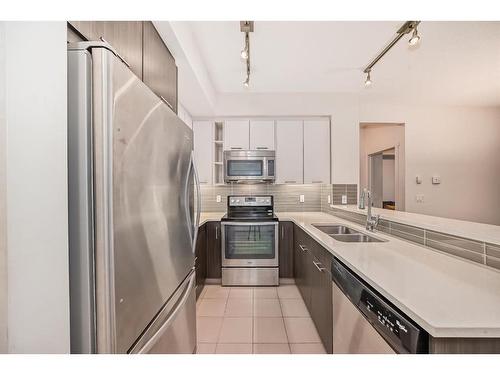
(345, 234)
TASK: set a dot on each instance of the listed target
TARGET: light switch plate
(418, 179)
(436, 180)
(301, 198)
(218, 198)
(344, 199)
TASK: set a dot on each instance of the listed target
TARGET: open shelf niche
(218, 153)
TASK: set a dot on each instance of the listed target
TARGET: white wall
(184, 115)
(388, 176)
(37, 244)
(3, 213)
(459, 143)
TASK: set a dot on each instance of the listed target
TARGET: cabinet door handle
(317, 182)
(167, 102)
(303, 248)
(117, 54)
(262, 148)
(319, 266)
(236, 148)
(216, 232)
(282, 232)
(290, 182)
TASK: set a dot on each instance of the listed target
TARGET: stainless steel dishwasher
(364, 322)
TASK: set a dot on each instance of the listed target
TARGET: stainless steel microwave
(254, 166)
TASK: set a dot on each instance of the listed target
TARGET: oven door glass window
(244, 168)
(250, 241)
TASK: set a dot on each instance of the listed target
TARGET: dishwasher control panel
(387, 321)
(398, 330)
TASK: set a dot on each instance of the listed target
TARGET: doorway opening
(382, 164)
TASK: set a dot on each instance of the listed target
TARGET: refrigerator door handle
(198, 202)
(186, 200)
(180, 305)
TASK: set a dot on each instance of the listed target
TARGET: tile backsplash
(350, 190)
(286, 197)
(476, 251)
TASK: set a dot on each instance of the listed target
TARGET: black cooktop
(247, 217)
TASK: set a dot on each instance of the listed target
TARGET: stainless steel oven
(250, 242)
(255, 166)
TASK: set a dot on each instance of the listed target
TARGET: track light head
(247, 82)
(368, 81)
(244, 54)
(415, 38)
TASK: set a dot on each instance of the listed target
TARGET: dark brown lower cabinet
(214, 255)
(286, 249)
(201, 259)
(312, 276)
(300, 266)
(321, 301)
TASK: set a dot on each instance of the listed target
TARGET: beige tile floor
(264, 320)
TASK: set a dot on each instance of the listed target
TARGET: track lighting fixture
(244, 54)
(368, 81)
(246, 27)
(415, 38)
(406, 28)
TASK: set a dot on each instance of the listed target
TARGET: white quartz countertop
(210, 216)
(468, 229)
(446, 296)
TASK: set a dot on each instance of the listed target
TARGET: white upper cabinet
(236, 135)
(316, 151)
(261, 135)
(204, 149)
(289, 152)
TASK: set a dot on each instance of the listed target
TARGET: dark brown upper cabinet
(159, 69)
(124, 36)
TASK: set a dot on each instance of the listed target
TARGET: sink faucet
(371, 221)
(362, 194)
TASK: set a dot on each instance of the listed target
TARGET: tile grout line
(284, 325)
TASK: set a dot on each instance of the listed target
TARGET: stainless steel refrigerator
(133, 213)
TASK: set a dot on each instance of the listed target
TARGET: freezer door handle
(171, 318)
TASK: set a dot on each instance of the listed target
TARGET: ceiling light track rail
(406, 28)
(247, 28)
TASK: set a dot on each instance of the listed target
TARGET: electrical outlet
(218, 199)
(329, 199)
(436, 180)
(419, 198)
(301, 198)
(344, 199)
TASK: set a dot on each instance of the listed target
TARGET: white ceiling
(456, 63)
